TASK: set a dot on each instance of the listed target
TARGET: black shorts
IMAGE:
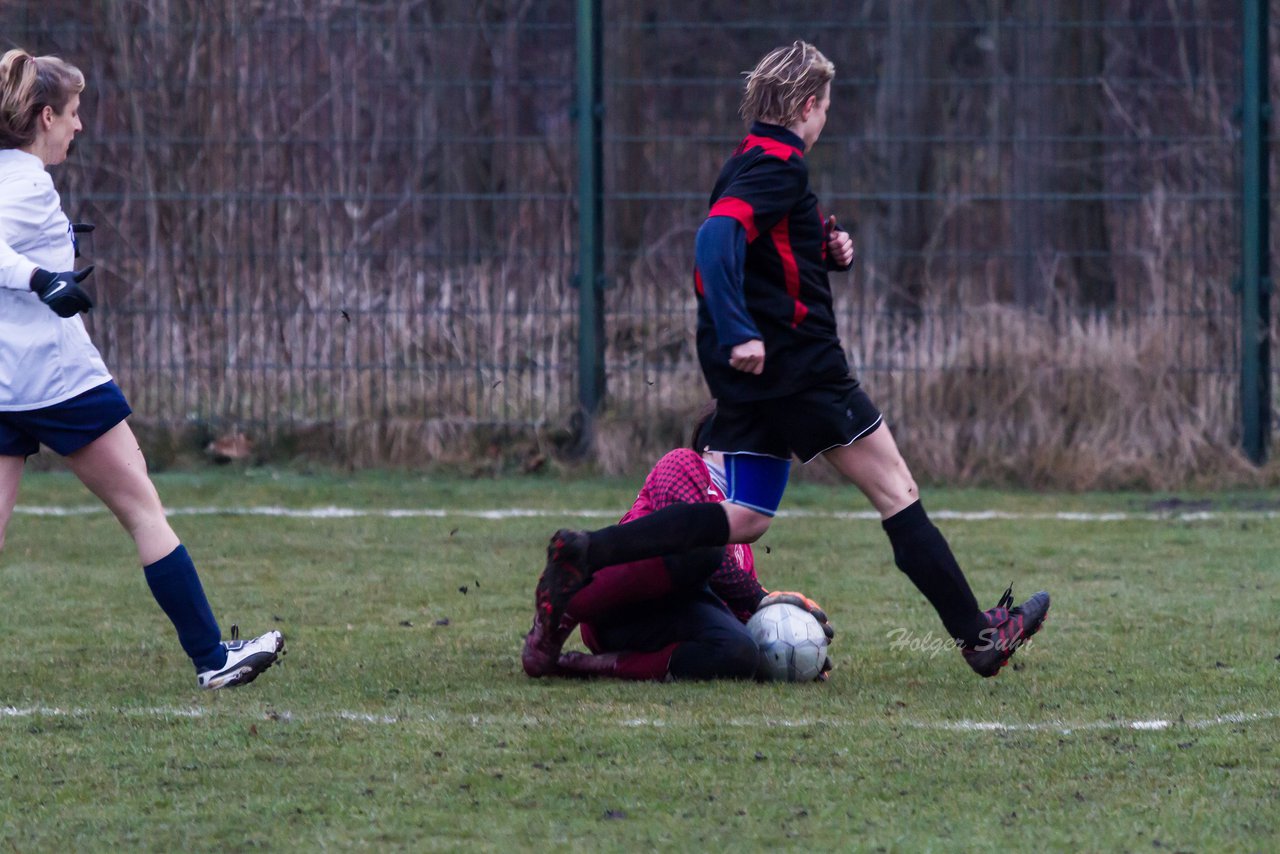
(804, 424)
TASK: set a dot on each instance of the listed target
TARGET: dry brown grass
(1011, 399)
(1073, 404)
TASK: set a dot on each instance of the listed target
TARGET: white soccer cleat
(245, 660)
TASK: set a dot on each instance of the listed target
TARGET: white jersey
(44, 359)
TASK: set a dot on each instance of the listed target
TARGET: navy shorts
(804, 424)
(65, 427)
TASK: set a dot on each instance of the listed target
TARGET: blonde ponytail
(28, 84)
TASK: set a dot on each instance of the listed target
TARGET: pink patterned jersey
(682, 477)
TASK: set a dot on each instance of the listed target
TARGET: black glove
(78, 228)
(62, 291)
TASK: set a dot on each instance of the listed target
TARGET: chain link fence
(347, 229)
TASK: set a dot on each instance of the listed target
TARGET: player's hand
(748, 356)
(62, 291)
(800, 601)
(826, 668)
(839, 243)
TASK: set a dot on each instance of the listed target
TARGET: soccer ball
(791, 642)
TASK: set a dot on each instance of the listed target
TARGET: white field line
(1064, 728)
(451, 719)
(522, 512)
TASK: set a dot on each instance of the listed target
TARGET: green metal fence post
(590, 113)
(1255, 274)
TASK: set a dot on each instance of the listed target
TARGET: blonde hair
(782, 81)
(28, 84)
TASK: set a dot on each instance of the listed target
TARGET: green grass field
(1146, 715)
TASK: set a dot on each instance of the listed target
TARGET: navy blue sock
(174, 583)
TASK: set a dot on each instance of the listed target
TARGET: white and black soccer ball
(791, 642)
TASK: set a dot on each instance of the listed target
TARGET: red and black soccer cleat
(566, 573)
(1006, 629)
(542, 647)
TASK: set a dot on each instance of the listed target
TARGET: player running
(54, 387)
(772, 358)
(678, 617)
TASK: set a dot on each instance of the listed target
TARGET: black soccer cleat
(1006, 629)
(566, 573)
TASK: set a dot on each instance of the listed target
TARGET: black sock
(673, 529)
(922, 553)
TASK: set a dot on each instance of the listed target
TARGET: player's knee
(745, 525)
(905, 492)
(749, 527)
(894, 492)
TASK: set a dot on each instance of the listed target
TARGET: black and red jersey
(682, 477)
(765, 188)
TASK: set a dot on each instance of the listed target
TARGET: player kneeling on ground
(676, 617)
(774, 361)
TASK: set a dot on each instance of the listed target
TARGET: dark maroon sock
(645, 665)
(641, 580)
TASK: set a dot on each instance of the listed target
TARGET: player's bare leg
(987, 638)
(10, 479)
(114, 469)
(875, 465)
